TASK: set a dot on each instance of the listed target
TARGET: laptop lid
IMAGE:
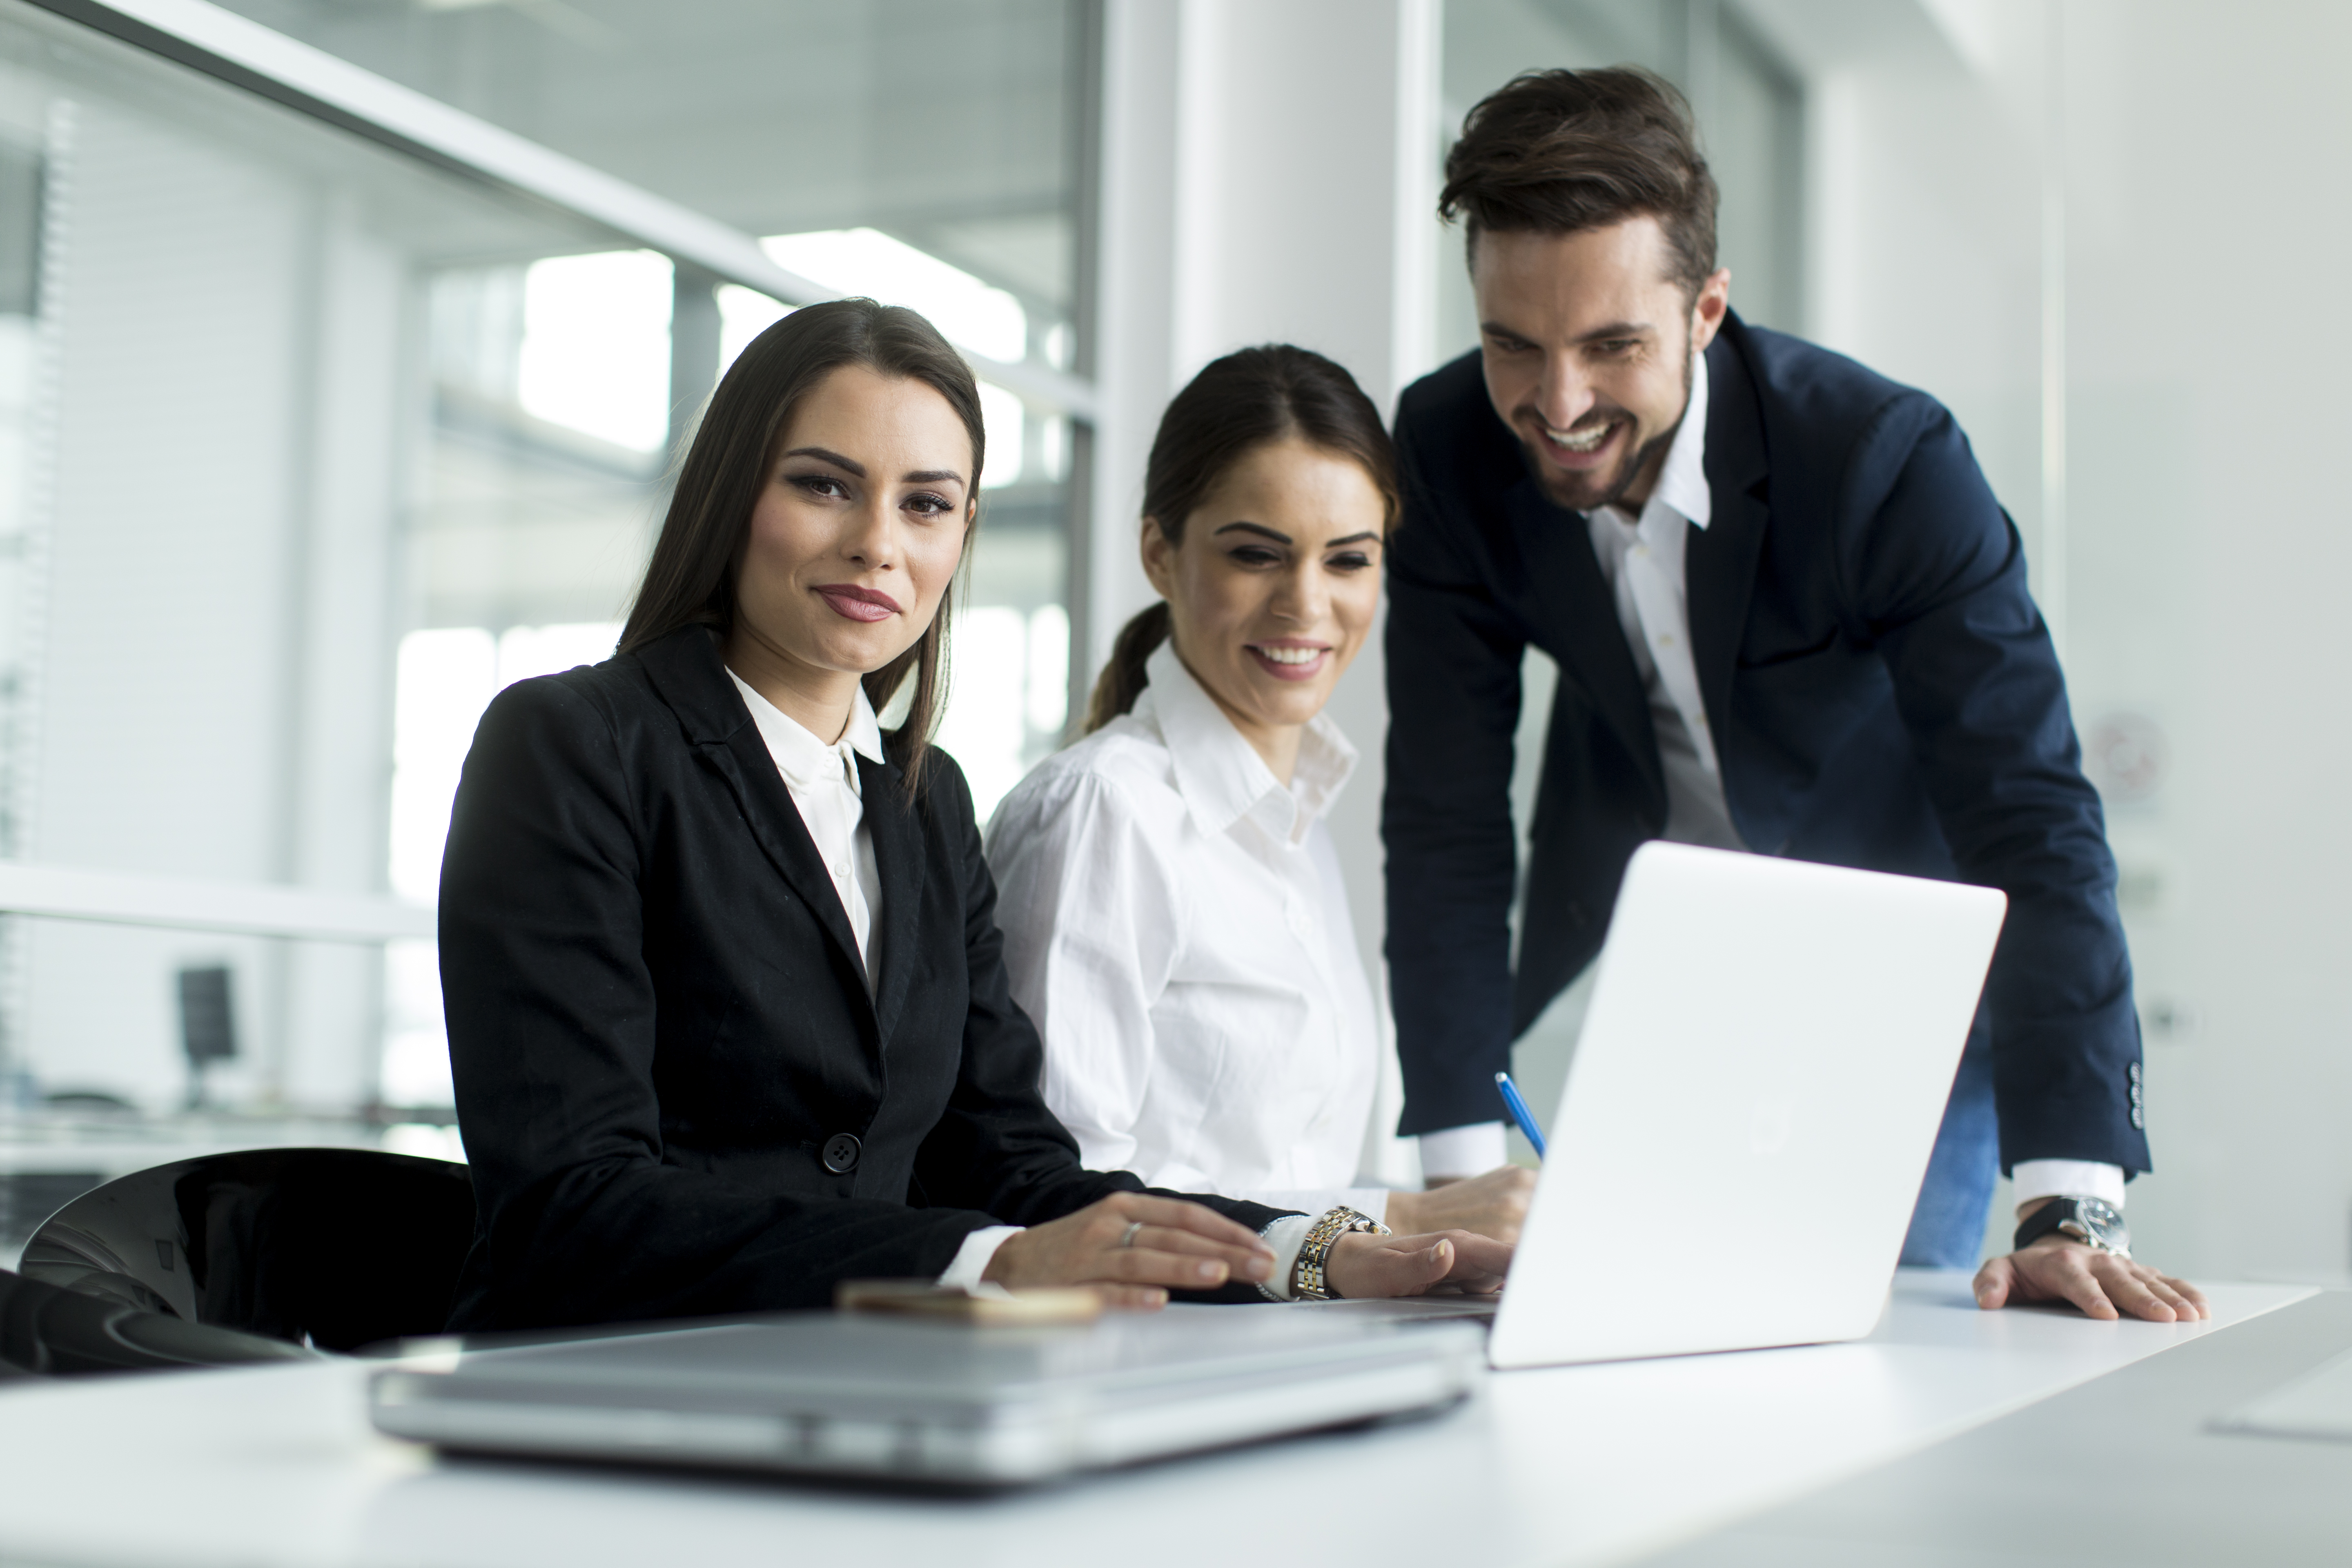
(1750, 1109)
(917, 1400)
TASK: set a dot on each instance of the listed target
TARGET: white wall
(171, 537)
(213, 660)
(2200, 565)
(2205, 209)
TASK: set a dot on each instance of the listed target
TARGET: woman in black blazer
(679, 1092)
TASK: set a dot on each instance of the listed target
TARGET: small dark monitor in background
(208, 1026)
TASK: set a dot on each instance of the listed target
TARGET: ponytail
(1122, 681)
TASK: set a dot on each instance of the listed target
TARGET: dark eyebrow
(1256, 528)
(932, 476)
(1614, 329)
(827, 455)
(1618, 329)
(1352, 538)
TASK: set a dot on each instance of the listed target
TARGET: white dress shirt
(1642, 559)
(1176, 924)
(822, 779)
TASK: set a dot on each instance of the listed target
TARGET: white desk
(1568, 1465)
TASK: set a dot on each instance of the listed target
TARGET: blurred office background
(344, 345)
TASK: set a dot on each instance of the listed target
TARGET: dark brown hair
(1234, 407)
(1559, 151)
(691, 579)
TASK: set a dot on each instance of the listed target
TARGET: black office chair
(47, 1332)
(325, 1250)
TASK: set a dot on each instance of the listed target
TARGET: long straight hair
(1248, 399)
(691, 579)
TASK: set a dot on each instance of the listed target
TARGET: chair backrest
(334, 1248)
(46, 1332)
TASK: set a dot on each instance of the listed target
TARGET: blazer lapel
(687, 670)
(742, 760)
(1719, 565)
(901, 858)
(1579, 621)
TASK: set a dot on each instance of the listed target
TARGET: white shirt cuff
(973, 1258)
(1285, 1235)
(1463, 1151)
(2035, 1179)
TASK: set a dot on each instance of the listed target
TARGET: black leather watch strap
(2041, 1222)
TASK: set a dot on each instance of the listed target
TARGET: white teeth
(1291, 655)
(1583, 440)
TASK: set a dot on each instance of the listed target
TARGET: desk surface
(1570, 1464)
(2127, 1468)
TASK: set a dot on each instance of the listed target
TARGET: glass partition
(307, 448)
(218, 435)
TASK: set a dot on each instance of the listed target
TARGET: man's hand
(2060, 1269)
(1493, 1205)
(1364, 1265)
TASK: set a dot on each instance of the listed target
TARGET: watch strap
(2043, 1221)
(1308, 1281)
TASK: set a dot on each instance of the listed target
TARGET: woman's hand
(1364, 1265)
(1493, 1205)
(1179, 1246)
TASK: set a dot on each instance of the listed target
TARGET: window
(379, 439)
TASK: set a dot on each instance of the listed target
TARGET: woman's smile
(1287, 544)
(1290, 659)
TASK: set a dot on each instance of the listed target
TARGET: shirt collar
(804, 759)
(1220, 774)
(1682, 483)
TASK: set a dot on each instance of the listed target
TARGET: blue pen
(1519, 1111)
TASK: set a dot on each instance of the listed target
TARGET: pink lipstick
(853, 603)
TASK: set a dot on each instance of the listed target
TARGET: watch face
(2100, 1223)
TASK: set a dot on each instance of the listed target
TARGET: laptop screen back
(1750, 1108)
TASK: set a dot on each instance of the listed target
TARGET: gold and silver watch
(1308, 1282)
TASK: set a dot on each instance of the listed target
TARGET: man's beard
(1581, 495)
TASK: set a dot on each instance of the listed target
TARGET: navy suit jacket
(1881, 690)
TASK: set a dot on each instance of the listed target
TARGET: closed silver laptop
(950, 1403)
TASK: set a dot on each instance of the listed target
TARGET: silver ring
(1127, 1238)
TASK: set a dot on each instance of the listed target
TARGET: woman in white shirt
(1175, 919)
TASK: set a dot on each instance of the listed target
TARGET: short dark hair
(1248, 399)
(1559, 151)
(691, 579)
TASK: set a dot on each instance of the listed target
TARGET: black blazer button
(840, 1152)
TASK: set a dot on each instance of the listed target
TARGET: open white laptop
(1749, 1113)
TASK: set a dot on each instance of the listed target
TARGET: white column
(364, 397)
(1269, 175)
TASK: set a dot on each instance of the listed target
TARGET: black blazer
(1880, 688)
(660, 1024)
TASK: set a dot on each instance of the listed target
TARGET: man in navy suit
(1789, 618)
